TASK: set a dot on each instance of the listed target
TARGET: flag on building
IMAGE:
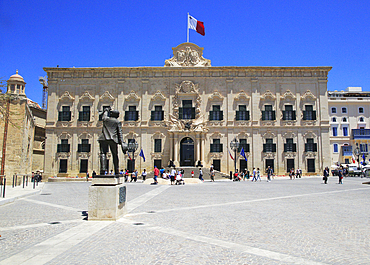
(230, 154)
(363, 157)
(242, 153)
(142, 154)
(196, 25)
(353, 158)
(128, 153)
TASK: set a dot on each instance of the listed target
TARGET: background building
(22, 130)
(349, 123)
(189, 112)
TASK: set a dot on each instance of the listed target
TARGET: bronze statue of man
(109, 139)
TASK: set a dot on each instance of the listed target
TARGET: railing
(361, 133)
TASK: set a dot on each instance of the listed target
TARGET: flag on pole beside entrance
(142, 154)
(230, 154)
(363, 157)
(196, 25)
(353, 158)
(242, 153)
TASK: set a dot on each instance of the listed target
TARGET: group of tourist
(342, 172)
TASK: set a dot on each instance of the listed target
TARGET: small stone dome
(16, 77)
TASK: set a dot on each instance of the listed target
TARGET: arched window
(361, 119)
(344, 119)
(334, 119)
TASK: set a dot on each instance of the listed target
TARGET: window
(157, 145)
(344, 110)
(361, 119)
(243, 144)
(269, 146)
(242, 114)
(63, 166)
(310, 146)
(335, 147)
(363, 148)
(289, 113)
(335, 131)
(157, 114)
(65, 114)
(101, 114)
(360, 110)
(84, 115)
(345, 131)
(187, 111)
(84, 165)
(84, 147)
(216, 114)
(63, 146)
(289, 146)
(216, 146)
(344, 119)
(309, 114)
(333, 110)
(311, 165)
(334, 119)
(132, 114)
(268, 114)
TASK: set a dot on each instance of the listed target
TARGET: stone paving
(285, 221)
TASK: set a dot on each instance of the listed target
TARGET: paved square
(281, 222)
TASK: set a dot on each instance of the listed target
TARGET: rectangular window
(335, 131)
(84, 115)
(309, 114)
(158, 163)
(216, 146)
(84, 146)
(157, 145)
(335, 146)
(187, 111)
(268, 114)
(345, 131)
(217, 164)
(289, 113)
(269, 146)
(242, 114)
(310, 146)
(243, 144)
(63, 146)
(344, 110)
(289, 146)
(131, 114)
(289, 164)
(216, 114)
(363, 148)
(65, 114)
(157, 114)
(333, 110)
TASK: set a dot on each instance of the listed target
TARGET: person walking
(212, 174)
(93, 174)
(258, 173)
(156, 173)
(340, 176)
(143, 174)
(269, 173)
(173, 175)
(326, 175)
(254, 174)
(87, 176)
(201, 174)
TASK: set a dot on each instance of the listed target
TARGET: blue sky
(37, 34)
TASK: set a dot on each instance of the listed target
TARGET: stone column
(176, 148)
(198, 139)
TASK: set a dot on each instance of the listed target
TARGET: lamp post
(234, 145)
(357, 153)
(132, 147)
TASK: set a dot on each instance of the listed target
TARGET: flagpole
(187, 40)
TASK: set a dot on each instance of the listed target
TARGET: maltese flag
(196, 25)
(353, 159)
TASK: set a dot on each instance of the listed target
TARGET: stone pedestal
(107, 198)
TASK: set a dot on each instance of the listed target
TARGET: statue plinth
(107, 198)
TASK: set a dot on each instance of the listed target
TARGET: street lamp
(234, 145)
(357, 153)
(132, 147)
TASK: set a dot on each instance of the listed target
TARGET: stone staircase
(187, 173)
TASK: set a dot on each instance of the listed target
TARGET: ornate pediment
(132, 97)
(158, 96)
(243, 135)
(242, 96)
(268, 96)
(107, 96)
(64, 135)
(288, 95)
(66, 97)
(158, 135)
(216, 135)
(308, 96)
(216, 96)
(268, 134)
(85, 135)
(87, 97)
(187, 55)
(289, 134)
(187, 87)
(309, 134)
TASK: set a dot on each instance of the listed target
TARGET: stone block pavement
(299, 221)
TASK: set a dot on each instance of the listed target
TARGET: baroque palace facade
(188, 112)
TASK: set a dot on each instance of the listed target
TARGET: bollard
(16, 179)
(27, 181)
(231, 175)
(13, 181)
(24, 178)
(34, 183)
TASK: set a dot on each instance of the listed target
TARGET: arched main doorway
(187, 152)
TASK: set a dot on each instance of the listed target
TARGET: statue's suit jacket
(112, 129)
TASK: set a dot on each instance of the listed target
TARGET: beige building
(349, 112)
(189, 112)
(22, 130)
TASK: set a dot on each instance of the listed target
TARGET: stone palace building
(188, 112)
